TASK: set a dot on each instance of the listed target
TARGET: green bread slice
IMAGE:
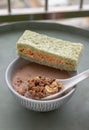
(49, 51)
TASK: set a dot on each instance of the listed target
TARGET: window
(42, 9)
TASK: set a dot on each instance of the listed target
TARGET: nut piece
(51, 89)
(54, 84)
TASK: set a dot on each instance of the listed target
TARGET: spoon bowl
(69, 84)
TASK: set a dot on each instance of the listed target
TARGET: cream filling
(46, 57)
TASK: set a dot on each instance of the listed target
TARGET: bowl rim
(29, 99)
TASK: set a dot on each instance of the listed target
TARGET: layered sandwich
(49, 51)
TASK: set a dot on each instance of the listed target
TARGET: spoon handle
(76, 79)
(73, 81)
(70, 83)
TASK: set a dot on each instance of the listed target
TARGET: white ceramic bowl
(36, 105)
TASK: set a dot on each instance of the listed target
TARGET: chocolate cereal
(37, 87)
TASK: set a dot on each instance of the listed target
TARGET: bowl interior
(15, 65)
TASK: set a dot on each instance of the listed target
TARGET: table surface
(74, 115)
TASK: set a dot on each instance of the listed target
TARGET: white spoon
(69, 83)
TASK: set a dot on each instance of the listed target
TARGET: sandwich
(49, 51)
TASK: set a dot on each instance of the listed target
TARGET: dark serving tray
(72, 116)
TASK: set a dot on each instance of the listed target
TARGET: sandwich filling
(41, 56)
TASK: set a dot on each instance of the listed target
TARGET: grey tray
(72, 116)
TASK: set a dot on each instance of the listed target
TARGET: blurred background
(71, 12)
